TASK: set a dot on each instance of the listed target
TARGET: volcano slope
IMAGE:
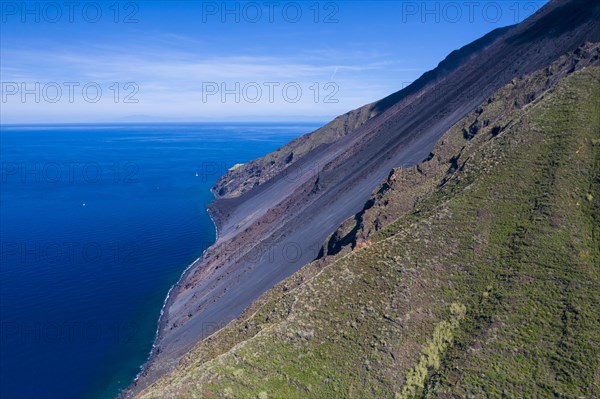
(274, 214)
(487, 286)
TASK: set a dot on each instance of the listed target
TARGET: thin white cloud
(171, 82)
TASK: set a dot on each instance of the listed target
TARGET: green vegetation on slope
(488, 287)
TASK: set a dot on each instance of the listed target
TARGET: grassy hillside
(488, 285)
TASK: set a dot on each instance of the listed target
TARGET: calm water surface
(96, 223)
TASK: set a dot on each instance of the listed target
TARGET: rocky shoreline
(144, 374)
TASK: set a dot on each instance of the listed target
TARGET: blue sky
(166, 61)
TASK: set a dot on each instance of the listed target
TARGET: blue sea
(97, 222)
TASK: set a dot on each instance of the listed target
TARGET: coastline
(131, 389)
